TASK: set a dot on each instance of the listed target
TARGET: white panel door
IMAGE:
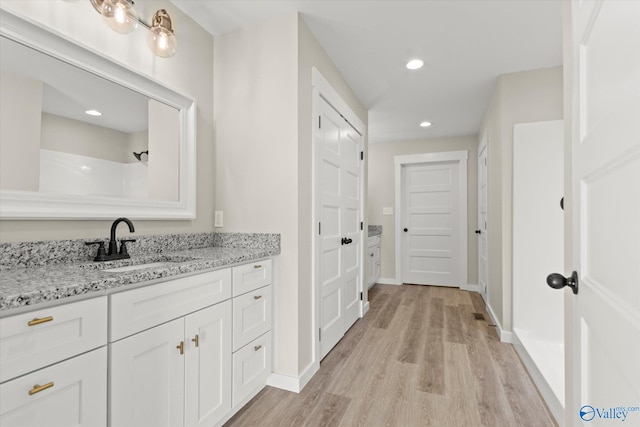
(338, 177)
(147, 378)
(208, 365)
(481, 231)
(431, 216)
(606, 212)
(351, 218)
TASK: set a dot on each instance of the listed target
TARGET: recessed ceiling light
(415, 64)
(93, 112)
(425, 124)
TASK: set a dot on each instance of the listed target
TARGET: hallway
(419, 357)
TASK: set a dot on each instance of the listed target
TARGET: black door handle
(346, 241)
(406, 229)
(478, 231)
(558, 281)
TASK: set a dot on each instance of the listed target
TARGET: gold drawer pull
(38, 388)
(257, 266)
(196, 340)
(257, 296)
(257, 347)
(181, 347)
(37, 321)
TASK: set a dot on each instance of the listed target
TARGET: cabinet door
(147, 378)
(70, 393)
(251, 316)
(208, 365)
(45, 336)
(251, 367)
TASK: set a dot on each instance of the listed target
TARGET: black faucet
(113, 253)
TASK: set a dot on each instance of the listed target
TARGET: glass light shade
(120, 15)
(162, 42)
(161, 39)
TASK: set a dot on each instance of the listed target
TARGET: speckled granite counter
(375, 230)
(33, 281)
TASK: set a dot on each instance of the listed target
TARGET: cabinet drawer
(77, 396)
(251, 367)
(56, 333)
(251, 316)
(251, 276)
(139, 309)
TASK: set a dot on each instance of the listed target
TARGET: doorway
(431, 218)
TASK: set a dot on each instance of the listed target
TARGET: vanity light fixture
(161, 39)
(415, 64)
(93, 113)
(425, 124)
(121, 16)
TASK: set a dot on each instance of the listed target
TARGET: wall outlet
(387, 210)
(217, 222)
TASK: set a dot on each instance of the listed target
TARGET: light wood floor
(419, 357)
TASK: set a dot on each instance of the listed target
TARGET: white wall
(20, 116)
(528, 96)
(164, 153)
(84, 139)
(382, 193)
(189, 72)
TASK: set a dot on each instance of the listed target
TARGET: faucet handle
(123, 246)
(102, 253)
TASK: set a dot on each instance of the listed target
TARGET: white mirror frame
(40, 206)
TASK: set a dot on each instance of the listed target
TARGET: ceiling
(465, 45)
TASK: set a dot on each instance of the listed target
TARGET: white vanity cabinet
(252, 320)
(179, 350)
(373, 252)
(175, 374)
(53, 364)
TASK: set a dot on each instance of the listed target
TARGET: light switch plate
(217, 222)
(387, 210)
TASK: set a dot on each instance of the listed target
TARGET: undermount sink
(141, 266)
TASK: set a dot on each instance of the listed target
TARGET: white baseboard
(504, 335)
(554, 405)
(469, 287)
(294, 384)
(388, 281)
(365, 308)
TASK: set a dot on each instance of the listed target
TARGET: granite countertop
(375, 230)
(20, 286)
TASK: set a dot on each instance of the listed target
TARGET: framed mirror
(82, 137)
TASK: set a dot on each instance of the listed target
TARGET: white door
(481, 231)
(208, 365)
(147, 378)
(430, 211)
(605, 329)
(338, 176)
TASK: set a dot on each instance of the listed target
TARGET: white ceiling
(466, 45)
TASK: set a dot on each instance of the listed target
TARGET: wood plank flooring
(419, 357)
